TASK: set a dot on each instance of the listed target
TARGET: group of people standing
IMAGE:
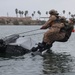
(60, 30)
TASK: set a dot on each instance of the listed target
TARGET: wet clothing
(59, 31)
(53, 34)
(54, 26)
(67, 30)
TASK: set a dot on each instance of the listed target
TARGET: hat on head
(53, 12)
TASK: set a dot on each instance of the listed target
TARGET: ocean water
(60, 62)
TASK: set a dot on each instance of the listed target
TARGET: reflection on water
(57, 63)
(49, 64)
(21, 65)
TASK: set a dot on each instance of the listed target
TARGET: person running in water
(57, 31)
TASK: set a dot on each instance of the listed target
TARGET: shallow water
(60, 62)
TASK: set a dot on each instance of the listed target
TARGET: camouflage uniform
(53, 33)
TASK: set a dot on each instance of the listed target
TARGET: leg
(47, 41)
(46, 47)
(41, 47)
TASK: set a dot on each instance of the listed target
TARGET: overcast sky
(9, 6)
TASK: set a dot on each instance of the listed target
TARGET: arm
(48, 23)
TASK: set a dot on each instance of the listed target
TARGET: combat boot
(39, 47)
(46, 47)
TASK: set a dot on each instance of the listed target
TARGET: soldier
(67, 29)
(55, 25)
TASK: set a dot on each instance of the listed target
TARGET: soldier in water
(56, 32)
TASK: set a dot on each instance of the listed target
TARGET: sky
(9, 6)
